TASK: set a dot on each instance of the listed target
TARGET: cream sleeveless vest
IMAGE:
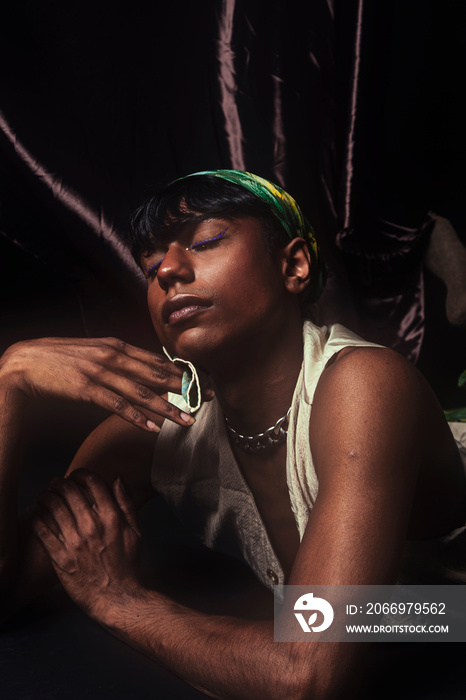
(196, 472)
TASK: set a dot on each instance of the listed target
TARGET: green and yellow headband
(288, 213)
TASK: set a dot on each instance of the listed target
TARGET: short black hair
(199, 198)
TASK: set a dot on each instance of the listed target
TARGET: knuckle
(116, 344)
(75, 543)
(160, 374)
(170, 409)
(63, 490)
(87, 380)
(65, 563)
(40, 529)
(144, 392)
(89, 528)
(112, 519)
(137, 417)
(66, 487)
(91, 478)
(107, 353)
(120, 404)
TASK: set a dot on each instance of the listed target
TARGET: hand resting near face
(108, 372)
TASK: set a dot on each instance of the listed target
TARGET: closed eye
(151, 271)
(208, 242)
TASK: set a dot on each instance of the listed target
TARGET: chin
(193, 344)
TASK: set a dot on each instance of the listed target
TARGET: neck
(257, 388)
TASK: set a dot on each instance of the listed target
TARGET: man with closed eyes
(313, 455)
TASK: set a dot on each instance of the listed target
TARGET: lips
(182, 307)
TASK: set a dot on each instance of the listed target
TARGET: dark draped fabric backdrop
(354, 106)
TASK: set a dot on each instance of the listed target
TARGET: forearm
(224, 657)
(95, 553)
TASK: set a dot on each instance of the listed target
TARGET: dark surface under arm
(51, 651)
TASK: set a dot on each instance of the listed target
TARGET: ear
(295, 262)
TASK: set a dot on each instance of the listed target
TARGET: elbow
(310, 686)
(313, 674)
(295, 678)
(305, 686)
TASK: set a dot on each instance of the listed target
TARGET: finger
(59, 485)
(126, 403)
(115, 350)
(53, 546)
(58, 510)
(158, 370)
(77, 503)
(131, 350)
(46, 517)
(47, 537)
(127, 505)
(97, 490)
(140, 396)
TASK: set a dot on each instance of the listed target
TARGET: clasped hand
(91, 534)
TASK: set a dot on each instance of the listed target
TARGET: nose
(175, 266)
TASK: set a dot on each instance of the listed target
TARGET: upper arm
(117, 448)
(365, 442)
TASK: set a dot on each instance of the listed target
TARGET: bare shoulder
(118, 448)
(376, 418)
(369, 369)
(371, 378)
(372, 404)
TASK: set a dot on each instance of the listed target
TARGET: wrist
(119, 610)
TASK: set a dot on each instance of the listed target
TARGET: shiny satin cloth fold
(317, 97)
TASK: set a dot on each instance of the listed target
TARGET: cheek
(252, 288)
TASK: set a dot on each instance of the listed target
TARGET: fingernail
(152, 426)
(189, 420)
